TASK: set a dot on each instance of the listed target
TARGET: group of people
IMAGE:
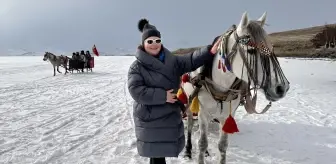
(152, 84)
(76, 55)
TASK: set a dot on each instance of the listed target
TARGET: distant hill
(306, 42)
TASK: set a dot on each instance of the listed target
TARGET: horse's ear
(262, 19)
(244, 20)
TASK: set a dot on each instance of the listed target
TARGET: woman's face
(152, 45)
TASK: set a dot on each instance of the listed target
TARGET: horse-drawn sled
(81, 61)
(78, 62)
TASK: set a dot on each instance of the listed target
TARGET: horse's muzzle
(277, 92)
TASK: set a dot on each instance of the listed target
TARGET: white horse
(56, 61)
(244, 62)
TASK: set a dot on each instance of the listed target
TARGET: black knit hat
(147, 30)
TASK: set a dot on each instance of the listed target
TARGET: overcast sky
(71, 25)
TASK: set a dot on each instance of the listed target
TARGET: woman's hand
(171, 97)
(214, 48)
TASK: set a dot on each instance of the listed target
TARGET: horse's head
(46, 56)
(249, 54)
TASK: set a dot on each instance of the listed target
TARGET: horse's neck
(52, 57)
(221, 78)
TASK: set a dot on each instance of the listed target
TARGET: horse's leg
(222, 145)
(203, 140)
(54, 70)
(223, 138)
(58, 70)
(66, 69)
(190, 121)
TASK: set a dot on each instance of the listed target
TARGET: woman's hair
(141, 47)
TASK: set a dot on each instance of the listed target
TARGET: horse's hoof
(187, 155)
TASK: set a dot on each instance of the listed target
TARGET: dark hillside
(318, 41)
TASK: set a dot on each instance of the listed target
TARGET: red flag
(94, 50)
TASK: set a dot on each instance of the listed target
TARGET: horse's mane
(50, 53)
(258, 33)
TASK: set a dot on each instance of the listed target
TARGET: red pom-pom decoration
(185, 78)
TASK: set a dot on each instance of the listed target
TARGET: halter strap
(250, 105)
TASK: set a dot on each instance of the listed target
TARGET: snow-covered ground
(85, 117)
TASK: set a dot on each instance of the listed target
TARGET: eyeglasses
(151, 41)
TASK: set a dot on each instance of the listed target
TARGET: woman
(153, 80)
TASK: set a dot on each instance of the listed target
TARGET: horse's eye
(252, 51)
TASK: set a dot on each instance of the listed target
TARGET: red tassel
(219, 64)
(183, 98)
(223, 67)
(230, 125)
(185, 78)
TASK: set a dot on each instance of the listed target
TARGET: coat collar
(153, 63)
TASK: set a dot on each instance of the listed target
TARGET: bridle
(258, 51)
(250, 59)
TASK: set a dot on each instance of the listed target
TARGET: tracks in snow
(54, 119)
(86, 118)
